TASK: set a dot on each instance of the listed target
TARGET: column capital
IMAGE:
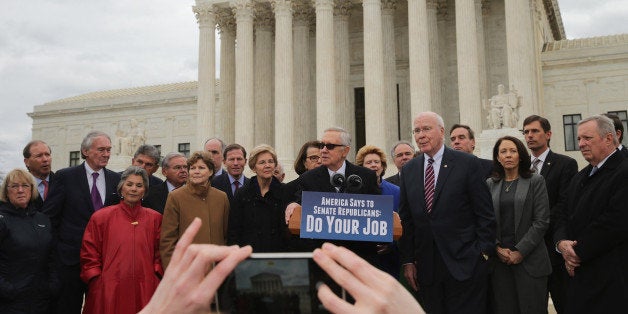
(242, 9)
(226, 21)
(205, 15)
(303, 12)
(282, 6)
(389, 6)
(323, 4)
(264, 18)
(343, 8)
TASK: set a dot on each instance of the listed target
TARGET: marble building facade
(291, 68)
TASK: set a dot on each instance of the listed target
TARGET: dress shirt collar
(341, 170)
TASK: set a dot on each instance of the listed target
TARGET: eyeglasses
(424, 129)
(313, 158)
(16, 187)
(329, 146)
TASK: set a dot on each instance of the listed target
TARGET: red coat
(120, 259)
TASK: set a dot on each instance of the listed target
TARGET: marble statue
(129, 141)
(503, 109)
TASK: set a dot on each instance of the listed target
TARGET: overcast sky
(56, 49)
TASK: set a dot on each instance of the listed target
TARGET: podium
(294, 224)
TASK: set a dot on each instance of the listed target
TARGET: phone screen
(278, 283)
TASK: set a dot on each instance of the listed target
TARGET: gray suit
(527, 281)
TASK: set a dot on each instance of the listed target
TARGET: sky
(56, 49)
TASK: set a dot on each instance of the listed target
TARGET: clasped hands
(572, 260)
(508, 256)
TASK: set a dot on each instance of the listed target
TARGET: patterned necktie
(236, 183)
(45, 183)
(429, 185)
(96, 199)
(535, 165)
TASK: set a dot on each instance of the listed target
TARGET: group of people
(479, 235)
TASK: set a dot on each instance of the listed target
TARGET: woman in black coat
(27, 279)
(257, 215)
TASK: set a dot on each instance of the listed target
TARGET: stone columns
(419, 56)
(432, 33)
(325, 74)
(521, 60)
(303, 109)
(480, 12)
(244, 111)
(225, 113)
(206, 94)
(263, 95)
(468, 68)
(343, 111)
(374, 73)
(390, 73)
(284, 119)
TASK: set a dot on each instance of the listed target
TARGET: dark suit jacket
(461, 224)
(624, 151)
(38, 203)
(596, 217)
(531, 223)
(558, 170)
(318, 180)
(156, 197)
(394, 179)
(69, 207)
(222, 183)
(487, 167)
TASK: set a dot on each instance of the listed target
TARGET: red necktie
(237, 185)
(45, 183)
(429, 186)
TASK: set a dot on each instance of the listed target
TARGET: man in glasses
(335, 145)
(401, 153)
(174, 168)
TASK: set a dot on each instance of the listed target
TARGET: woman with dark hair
(27, 278)
(197, 198)
(257, 216)
(374, 158)
(521, 266)
(120, 250)
(309, 157)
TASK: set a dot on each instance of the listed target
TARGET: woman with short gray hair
(120, 258)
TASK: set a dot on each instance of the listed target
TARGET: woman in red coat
(120, 252)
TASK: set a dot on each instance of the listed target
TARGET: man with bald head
(401, 153)
(216, 147)
(448, 223)
(592, 231)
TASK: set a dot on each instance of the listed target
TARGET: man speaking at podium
(335, 145)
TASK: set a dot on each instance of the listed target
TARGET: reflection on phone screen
(277, 285)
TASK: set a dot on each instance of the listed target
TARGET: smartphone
(277, 283)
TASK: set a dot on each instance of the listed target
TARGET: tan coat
(182, 207)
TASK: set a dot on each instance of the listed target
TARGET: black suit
(487, 167)
(624, 151)
(446, 245)
(222, 183)
(156, 197)
(558, 170)
(318, 180)
(69, 207)
(596, 217)
(394, 179)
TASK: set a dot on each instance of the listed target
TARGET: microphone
(354, 183)
(338, 180)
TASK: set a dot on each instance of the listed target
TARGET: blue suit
(448, 243)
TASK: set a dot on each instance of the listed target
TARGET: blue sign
(342, 216)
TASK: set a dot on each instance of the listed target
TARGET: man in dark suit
(558, 170)
(619, 130)
(335, 145)
(592, 231)
(147, 157)
(38, 161)
(233, 179)
(401, 153)
(463, 139)
(174, 168)
(75, 194)
(448, 223)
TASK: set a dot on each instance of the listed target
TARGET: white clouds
(585, 18)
